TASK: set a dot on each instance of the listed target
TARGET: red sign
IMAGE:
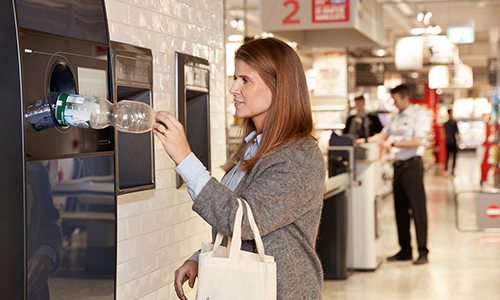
(329, 11)
(493, 211)
(492, 239)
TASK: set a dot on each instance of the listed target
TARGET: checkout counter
(349, 235)
(364, 209)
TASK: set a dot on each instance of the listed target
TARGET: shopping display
(64, 109)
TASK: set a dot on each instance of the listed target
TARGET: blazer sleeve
(48, 231)
(280, 190)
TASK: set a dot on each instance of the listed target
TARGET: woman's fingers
(169, 121)
(171, 134)
(188, 271)
(180, 276)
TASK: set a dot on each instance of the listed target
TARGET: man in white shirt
(408, 129)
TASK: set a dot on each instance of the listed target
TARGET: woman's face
(252, 97)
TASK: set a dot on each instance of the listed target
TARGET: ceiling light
(420, 16)
(234, 23)
(427, 18)
(417, 31)
(434, 30)
(235, 38)
(414, 75)
(241, 25)
(429, 30)
(379, 52)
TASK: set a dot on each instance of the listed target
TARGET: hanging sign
(324, 23)
(461, 32)
(326, 11)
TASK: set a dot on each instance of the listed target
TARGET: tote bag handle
(234, 252)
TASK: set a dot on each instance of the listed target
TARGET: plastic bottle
(94, 112)
(39, 114)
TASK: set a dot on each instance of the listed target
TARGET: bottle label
(73, 110)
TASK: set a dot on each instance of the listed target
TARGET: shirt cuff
(195, 257)
(194, 174)
(51, 253)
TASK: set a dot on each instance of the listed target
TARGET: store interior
(125, 242)
(449, 70)
(373, 66)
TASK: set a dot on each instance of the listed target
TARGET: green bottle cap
(60, 107)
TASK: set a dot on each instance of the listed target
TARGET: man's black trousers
(409, 194)
(451, 149)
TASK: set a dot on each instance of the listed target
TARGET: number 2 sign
(289, 19)
(323, 11)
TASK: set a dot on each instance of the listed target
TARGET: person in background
(452, 135)
(366, 125)
(408, 129)
(278, 169)
(44, 234)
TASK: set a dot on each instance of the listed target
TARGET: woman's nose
(234, 88)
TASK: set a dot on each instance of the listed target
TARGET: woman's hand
(189, 270)
(172, 136)
(39, 267)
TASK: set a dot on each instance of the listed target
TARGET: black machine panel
(81, 19)
(193, 104)
(50, 64)
(12, 256)
(135, 161)
(133, 80)
(58, 184)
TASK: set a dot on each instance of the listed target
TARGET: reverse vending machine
(59, 184)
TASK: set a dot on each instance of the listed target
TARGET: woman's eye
(245, 80)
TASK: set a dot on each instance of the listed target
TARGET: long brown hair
(290, 116)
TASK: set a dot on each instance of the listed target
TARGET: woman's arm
(282, 187)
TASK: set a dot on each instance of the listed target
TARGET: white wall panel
(156, 235)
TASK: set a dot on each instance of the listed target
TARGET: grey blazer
(285, 192)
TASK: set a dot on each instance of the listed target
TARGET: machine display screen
(93, 82)
(81, 19)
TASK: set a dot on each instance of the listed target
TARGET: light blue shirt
(404, 126)
(196, 176)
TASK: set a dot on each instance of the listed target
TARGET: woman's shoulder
(304, 150)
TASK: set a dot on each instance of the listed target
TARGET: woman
(278, 168)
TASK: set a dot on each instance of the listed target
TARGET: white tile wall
(156, 235)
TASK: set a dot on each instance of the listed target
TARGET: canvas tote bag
(229, 273)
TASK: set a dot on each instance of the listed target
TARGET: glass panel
(56, 65)
(82, 19)
(71, 211)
